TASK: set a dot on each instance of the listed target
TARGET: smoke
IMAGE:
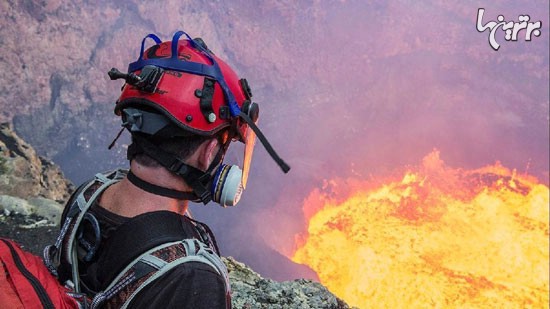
(346, 89)
(385, 85)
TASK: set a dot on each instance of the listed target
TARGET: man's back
(191, 284)
(188, 285)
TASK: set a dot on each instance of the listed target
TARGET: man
(125, 239)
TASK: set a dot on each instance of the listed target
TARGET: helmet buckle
(133, 119)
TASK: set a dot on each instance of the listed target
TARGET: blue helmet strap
(152, 36)
(174, 63)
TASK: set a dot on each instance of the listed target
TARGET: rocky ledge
(250, 290)
(29, 184)
(33, 191)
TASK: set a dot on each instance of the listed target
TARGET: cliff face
(33, 191)
(23, 173)
(29, 184)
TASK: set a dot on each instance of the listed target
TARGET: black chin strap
(158, 190)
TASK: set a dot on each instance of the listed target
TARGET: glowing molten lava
(437, 238)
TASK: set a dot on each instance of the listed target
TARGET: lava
(436, 236)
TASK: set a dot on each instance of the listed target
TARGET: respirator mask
(229, 181)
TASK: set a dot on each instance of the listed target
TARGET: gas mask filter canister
(227, 186)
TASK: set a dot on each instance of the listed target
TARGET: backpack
(25, 282)
(141, 264)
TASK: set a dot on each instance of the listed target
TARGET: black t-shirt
(188, 285)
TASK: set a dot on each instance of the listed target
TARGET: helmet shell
(176, 92)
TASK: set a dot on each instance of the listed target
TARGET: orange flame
(438, 237)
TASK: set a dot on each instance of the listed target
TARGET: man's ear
(207, 153)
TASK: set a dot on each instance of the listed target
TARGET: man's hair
(183, 147)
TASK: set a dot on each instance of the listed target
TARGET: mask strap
(218, 159)
(198, 180)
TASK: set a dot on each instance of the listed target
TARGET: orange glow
(438, 237)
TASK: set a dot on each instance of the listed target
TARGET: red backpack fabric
(25, 282)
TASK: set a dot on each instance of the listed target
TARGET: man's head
(182, 102)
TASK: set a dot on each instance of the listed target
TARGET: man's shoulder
(188, 285)
(87, 192)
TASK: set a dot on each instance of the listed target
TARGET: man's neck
(127, 200)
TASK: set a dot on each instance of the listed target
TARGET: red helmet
(187, 83)
(177, 88)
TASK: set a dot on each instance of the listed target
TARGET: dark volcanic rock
(24, 174)
(250, 290)
(29, 184)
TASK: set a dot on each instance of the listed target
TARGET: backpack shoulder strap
(137, 254)
(136, 236)
(206, 235)
(156, 262)
(73, 214)
(203, 254)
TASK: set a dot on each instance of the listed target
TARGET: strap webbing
(158, 190)
(202, 255)
(195, 178)
(83, 205)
